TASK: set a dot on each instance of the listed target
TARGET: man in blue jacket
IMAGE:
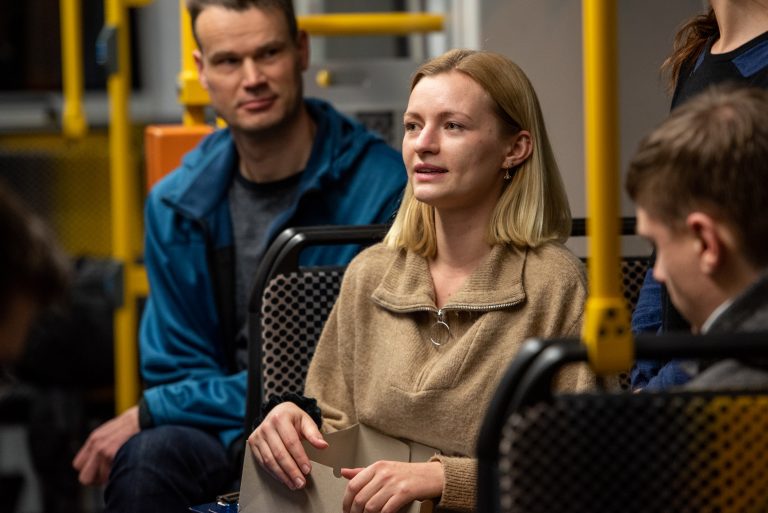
(283, 161)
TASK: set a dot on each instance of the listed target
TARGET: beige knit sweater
(375, 363)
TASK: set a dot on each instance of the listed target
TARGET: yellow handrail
(73, 121)
(192, 96)
(353, 24)
(606, 330)
(125, 205)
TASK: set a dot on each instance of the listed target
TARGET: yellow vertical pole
(73, 119)
(192, 96)
(125, 206)
(606, 328)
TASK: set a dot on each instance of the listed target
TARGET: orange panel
(165, 145)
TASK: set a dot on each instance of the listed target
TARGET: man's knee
(169, 458)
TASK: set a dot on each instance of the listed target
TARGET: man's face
(251, 67)
(677, 266)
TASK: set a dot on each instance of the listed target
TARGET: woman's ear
(520, 149)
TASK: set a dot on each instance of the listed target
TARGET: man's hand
(276, 444)
(94, 459)
(388, 486)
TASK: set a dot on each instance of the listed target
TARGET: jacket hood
(208, 170)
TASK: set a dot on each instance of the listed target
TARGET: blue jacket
(352, 177)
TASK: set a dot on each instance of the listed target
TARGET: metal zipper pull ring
(440, 332)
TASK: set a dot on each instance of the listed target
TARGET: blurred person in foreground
(33, 272)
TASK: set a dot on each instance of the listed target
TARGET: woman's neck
(739, 21)
(462, 241)
(462, 245)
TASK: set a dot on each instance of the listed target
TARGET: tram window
(30, 46)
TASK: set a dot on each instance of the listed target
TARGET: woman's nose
(427, 141)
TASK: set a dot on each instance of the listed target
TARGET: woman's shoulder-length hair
(533, 207)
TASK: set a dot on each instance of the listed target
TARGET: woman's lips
(429, 169)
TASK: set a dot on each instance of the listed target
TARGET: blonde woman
(428, 320)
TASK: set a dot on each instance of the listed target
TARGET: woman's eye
(452, 126)
(409, 127)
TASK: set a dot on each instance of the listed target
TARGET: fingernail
(299, 482)
(305, 469)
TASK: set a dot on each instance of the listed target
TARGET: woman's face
(454, 148)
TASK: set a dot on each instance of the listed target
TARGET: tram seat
(633, 267)
(165, 146)
(669, 451)
(288, 307)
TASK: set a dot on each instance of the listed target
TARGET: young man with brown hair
(699, 186)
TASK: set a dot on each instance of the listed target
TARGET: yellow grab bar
(354, 24)
(126, 212)
(606, 330)
(192, 96)
(73, 119)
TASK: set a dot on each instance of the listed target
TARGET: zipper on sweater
(440, 331)
(440, 312)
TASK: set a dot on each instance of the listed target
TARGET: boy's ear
(711, 246)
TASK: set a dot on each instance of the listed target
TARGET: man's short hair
(195, 7)
(31, 263)
(710, 154)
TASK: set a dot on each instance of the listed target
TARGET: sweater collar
(496, 283)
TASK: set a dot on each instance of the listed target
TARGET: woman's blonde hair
(533, 207)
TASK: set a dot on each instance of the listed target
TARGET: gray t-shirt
(253, 207)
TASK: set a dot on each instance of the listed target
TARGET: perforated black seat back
(672, 452)
(633, 271)
(294, 309)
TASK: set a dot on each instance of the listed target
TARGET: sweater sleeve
(459, 489)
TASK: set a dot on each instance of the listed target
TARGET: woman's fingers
(278, 444)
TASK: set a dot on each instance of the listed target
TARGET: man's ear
(198, 56)
(302, 43)
(711, 246)
(521, 147)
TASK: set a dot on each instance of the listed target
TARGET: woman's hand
(387, 486)
(276, 444)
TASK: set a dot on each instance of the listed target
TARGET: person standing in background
(728, 44)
